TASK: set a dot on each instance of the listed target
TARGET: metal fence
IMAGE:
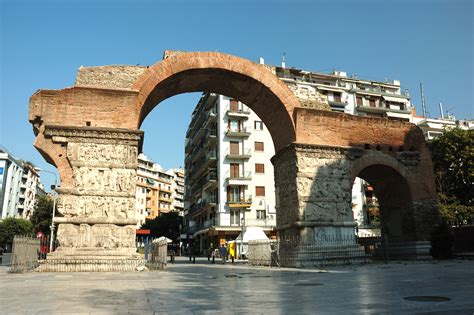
(25, 253)
(334, 250)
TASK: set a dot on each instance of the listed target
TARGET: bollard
(213, 259)
(190, 257)
(194, 259)
(232, 258)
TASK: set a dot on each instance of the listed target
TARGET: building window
(337, 97)
(258, 125)
(234, 170)
(260, 191)
(234, 217)
(371, 102)
(234, 106)
(261, 215)
(234, 147)
(259, 168)
(234, 125)
(258, 146)
(233, 193)
(359, 101)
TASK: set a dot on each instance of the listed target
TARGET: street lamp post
(54, 207)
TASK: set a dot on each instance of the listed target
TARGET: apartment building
(20, 184)
(434, 127)
(177, 187)
(350, 95)
(154, 190)
(229, 176)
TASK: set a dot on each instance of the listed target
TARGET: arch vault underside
(90, 132)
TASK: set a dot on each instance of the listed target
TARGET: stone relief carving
(104, 180)
(102, 152)
(97, 206)
(100, 236)
(67, 235)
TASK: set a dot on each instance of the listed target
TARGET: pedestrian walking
(223, 253)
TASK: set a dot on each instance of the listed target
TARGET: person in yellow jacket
(232, 250)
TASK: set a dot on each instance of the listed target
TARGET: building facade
(177, 188)
(20, 184)
(434, 127)
(156, 190)
(229, 176)
(349, 95)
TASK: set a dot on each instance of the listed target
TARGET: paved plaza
(204, 288)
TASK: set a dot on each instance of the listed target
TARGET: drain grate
(309, 284)
(427, 298)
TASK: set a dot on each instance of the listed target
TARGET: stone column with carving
(313, 185)
(97, 207)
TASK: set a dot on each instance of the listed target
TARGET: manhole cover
(307, 284)
(427, 298)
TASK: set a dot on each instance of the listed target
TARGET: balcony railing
(242, 132)
(239, 201)
(240, 111)
(239, 176)
(242, 154)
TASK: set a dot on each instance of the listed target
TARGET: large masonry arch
(90, 132)
(251, 83)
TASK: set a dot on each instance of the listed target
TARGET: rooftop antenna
(423, 105)
(441, 110)
(283, 63)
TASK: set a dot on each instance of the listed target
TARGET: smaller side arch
(392, 188)
(397, 187)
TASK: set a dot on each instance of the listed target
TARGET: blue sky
(42, 44)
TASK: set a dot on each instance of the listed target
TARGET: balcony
(242, 155)
(240, 133)
(210, 180)
(239, 202)
(239, 111)
(241, 178)
(165, 190)
(211, 117)
(165, 199)
(208, 202)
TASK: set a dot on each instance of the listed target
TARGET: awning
(150, 181)
(330, 88)
(398, 115)
(395, 99)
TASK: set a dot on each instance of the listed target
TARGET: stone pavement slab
(205, 288)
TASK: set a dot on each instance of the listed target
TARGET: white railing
(240, 175)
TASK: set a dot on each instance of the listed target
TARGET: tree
(11, 227)
(166, 224)
(453, 164)
(42, 215)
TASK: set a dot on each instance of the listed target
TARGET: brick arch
(253, 84)
(372, 158)
(392, 187)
